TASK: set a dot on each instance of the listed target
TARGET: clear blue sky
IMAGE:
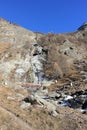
(56, 16)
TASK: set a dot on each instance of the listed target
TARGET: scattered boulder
(25, 105)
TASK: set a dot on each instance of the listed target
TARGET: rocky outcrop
(83, 27)
(21, 57)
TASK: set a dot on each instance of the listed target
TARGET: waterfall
(37, 64)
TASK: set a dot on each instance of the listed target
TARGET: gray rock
(50, 106)
(25, 105)
(11, 98)
(53, 113)
(55, 95)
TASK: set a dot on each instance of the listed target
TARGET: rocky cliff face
(43, 79)
(21, 57)
(15, 43)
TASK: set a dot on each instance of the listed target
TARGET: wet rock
(63, 103)
(74, 104)
(84, 106)
(83, 111)
(76, 100)
(38, 59)
(68, 98)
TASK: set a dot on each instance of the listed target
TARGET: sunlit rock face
(16, 46)
(21, 58)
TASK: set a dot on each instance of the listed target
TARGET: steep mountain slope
(43, 79)
(64, 50)
(18, 61)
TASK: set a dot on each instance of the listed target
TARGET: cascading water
(37, 64)
(37, 60)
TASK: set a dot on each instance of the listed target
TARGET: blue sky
(58, 16)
